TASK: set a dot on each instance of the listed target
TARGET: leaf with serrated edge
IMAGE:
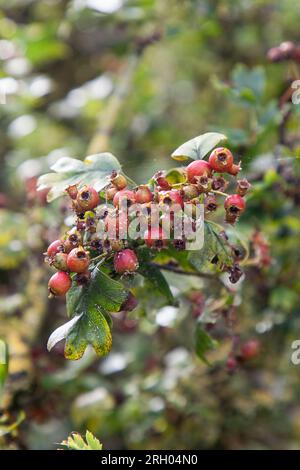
(198, 147)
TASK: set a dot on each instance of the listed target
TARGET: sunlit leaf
(198, 147)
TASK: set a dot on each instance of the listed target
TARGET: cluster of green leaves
(76, 442)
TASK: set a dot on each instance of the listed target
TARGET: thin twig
(173, 269)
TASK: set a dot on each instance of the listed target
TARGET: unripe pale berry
(221, 160)
(78, 260)
(88, 198)
(235, 204)
(60, 261)
(124, 196)
(125, 261)
(143, 195)
(250, 349)
(196, 169)
(189, 192)
(119, 181)
(59, 283)
(110, 193)
(55, 247)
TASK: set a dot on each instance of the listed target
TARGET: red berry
(155, 238)
(221, 160)
(231, 364)
(143, 195)
(78, 260)
(59, 283)
(161, 180)
(126, 195)
(235, 169)
(130, 303)
(88, 198)
(60, 261)
(196, 169)
(125, 261)
(250, 349)
(116, 225)
(72, 191)
(235, 204)
(55, 247)
(171, 197)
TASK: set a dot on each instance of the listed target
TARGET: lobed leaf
(94, 170)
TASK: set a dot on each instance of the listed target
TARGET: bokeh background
(149, 75)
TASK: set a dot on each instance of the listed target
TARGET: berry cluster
(287, 50)
(204, 182)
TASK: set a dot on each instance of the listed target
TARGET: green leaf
(175, 176)
(91, 328)
(76, 442)
(89, 308)
(94, 170)
(198, 147)
(101, 291)
(157, 279)
(214, 249)
(249, 82)
(92, 441)
(203, 343)
(3, 363)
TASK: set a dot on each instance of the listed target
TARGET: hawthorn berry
(250, 349)
(119, 181)
(189, 192)
(235, 169)
(55, 247)
(116, 224)
(88, 198)
(243, 187)
(130, 303)
(219, 184)
(161, 180)
(235, 204)
(72, 191)
(125, 261)
(171, 197)
(231, 364)
(210, 203)
(125, 195)
(196, 169)
(221, 160)
(59, 283)
(155, 238)
(110, 193)
(78, 260)
(60, 261)
(143, 195)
